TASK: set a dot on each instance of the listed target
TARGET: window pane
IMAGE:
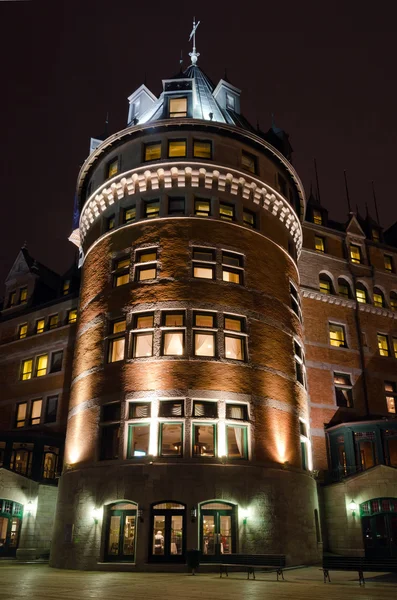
(51, 409)
(319, 244)
(236, 442)
(176, 206)
(122, 279)
(174, 319)
(118, 326)
(205, 409)
(388, 263)
(176, 534)
(395, 347)
(27, 367)
(145, 274)
(336, 335)
(344, 290)
(355, 253)
(203, 272)
(56, 361)
(233, 324)
(158, 534)
(202, 208)
(139, 410)
(230, 101)
(53, 321)
(122, 264)
(41, 365)
(203, 440)
(248, 162)
(130, 214)
(72, 317)
(204, 344)
(178, 107)
(383, 345)
(231, 276)
(204, 320)
(249, 218)
(378, 300)
(110, 223)
(23, 295)
(391, 404)
(226, 212)
(233, 260)
(204, 255)
(116, 349)
(143, 344)
(153, 151)
(171, 439)
(21, 414)
(317, 217)
(177, 148)
(36, 412)
(113, 168)
(152, 209)
(173, 343)
(325, 286)
(23, 331)
(139, 440)
(40, 326)
(144, 322)
(361, 296)
(234, 348)
(236, 411)
(149, 256)
(202, 149)
(171, 408)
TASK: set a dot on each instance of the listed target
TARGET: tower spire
(194, 55)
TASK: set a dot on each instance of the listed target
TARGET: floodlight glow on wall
(244, 513)
(96, 513)
(353, 507)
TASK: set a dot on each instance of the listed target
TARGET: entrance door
(217, 530)
(380, 536)
(10, 527)
(121, 532)
(167, 540)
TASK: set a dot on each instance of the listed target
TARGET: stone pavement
(40, 582)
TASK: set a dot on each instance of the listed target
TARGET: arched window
(379, 299)
(50, 462)
(344, 288)
(325, 284)
(167, 532)
(21, 459)
(361, 293)
(393, 300)
(121, 531)
(218, 520)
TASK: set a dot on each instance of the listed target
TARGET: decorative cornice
(339, 301)
(170, 175)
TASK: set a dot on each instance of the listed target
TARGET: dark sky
(326, 70)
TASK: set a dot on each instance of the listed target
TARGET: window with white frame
(234, 337)
(204, 333)
(116, 340)
(146, 264)
(343, 390)
(295, 300)
(173, 332)
(305, 446)
(300, 363)
(391, 396)
(142, 335)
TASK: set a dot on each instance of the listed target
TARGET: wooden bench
(359, 564)
(254, 562)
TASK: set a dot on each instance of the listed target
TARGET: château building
(230, 383)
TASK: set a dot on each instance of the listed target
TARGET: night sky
(326, 70)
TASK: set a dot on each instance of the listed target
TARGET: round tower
(188, 420)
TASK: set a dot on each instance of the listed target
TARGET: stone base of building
(273, 511)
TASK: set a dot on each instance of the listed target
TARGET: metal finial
(194, 55)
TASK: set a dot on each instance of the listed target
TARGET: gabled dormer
(178, 100)
(227, 96)
(141, 102)
(315, 212)
(355, 241)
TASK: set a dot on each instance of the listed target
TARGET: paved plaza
(39, 582)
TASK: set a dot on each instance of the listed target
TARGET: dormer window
(230, 102)
(375, 235)
(66, 287)
(113, 168)
(248, 162)
(135, 108)
(178, 107)
(317, 217)
(13, 299)
(23, 295)
(355, 254)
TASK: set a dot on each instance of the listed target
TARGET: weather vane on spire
(194, 55)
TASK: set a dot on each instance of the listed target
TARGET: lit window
(13, 299)
(337, 335)
(295, 301)
(300, 367)
(202, 267)
(388, 263)
(53, 322)
(237, 412)
(117, 341)
(178, 107)
(325, 285)
(344, 288)
(355, 254)
(138, 440)
(41, 365)
(110, 223)
(319, 244)
(40, 324)
(204, 320)
(152, 151)
(204, 409)
(343, 390)
(144, 321)
(249, 218)
(236, 440)
(139, 410)
(56, 361)
(23, 331)
(146, 265)
(317, 217)
(378, 298)
(361, 294)
(21, 414)
(143, 340)
(130, 214)
(51, 409)
(27, 369)
(393, 300)
(232, 267)
(152, 209)
(204, 343)
(121, 272)
(72, 316)
(230, 101)
(203, 438)
(202, 149)
(113, 168)
(171, 408)
(35, 412)
(176, 148)
(66, 287)
(226, 212)
(376, 235)
(176, 206)
(248, 162)
(395, 347)
(171, 439)
(391, 396)
(173, 319)
(23, 295)
(383, 345)
(234, 347)
(304, 454)
(233, 323)
(202, 208)
(173, 343)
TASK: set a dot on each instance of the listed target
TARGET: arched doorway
(217, 530)
(121, 532)
(167, 532)
(379, 524)
(10, 526)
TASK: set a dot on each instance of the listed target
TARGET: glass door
(217, 531)
(121, 533)
(167, 533)
(380, 536)
(10, 527)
